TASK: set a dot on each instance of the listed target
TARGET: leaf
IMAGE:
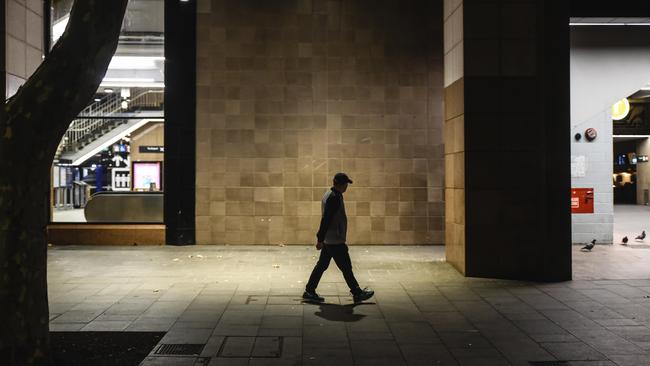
(8, 133)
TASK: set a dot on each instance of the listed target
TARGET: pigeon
(589, 247)
(641, 237)
(624, 240)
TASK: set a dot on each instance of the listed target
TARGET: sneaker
(312, 296)
(362, 295)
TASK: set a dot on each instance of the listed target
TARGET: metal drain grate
(549, 363)
(180, 349)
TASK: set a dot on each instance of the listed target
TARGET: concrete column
(454, 135)
(506, 127)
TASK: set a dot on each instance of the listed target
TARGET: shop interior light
(135, 80)
(135, 62)
(620, 109)
(108, 91)
(59, 27)
(132, 83)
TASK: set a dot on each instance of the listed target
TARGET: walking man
(331, 243)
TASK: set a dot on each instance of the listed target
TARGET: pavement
(630, 220)
(240, 305)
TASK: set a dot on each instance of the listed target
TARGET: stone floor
(630, 220)
(241, 306)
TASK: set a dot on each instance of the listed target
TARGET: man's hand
(319, 245)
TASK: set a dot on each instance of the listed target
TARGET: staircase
(104, 122)
(77, 157)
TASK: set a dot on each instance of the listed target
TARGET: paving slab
(243, 305)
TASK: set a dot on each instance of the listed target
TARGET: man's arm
(332, 205)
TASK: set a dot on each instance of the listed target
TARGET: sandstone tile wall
(292, 91)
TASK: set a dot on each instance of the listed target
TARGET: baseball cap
(342, 178)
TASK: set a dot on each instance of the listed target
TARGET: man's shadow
(339, 313)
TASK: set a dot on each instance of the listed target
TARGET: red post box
(582, 200)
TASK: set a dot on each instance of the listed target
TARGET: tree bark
(32, 125)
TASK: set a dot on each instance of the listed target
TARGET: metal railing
(83, 128)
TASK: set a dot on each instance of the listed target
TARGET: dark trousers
(342, 259)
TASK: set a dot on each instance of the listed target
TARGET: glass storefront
(109, 165)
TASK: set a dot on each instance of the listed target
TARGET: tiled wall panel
(291, 92)
(24, 41)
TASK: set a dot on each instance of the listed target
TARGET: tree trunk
(32, 125)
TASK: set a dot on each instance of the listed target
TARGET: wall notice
(578, 166)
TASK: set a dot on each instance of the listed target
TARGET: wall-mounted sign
(578, 166)
(152, 149)
(591, 134)
(582, 200)
(121, 179)
(146, 175)
(620, 109)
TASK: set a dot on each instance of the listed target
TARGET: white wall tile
(34, 29)
(453, 29)
(35, 5)
(15, 57)
(454, 64)
(449, 6)
(16, 20)
(33, 58)
(13, 83)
